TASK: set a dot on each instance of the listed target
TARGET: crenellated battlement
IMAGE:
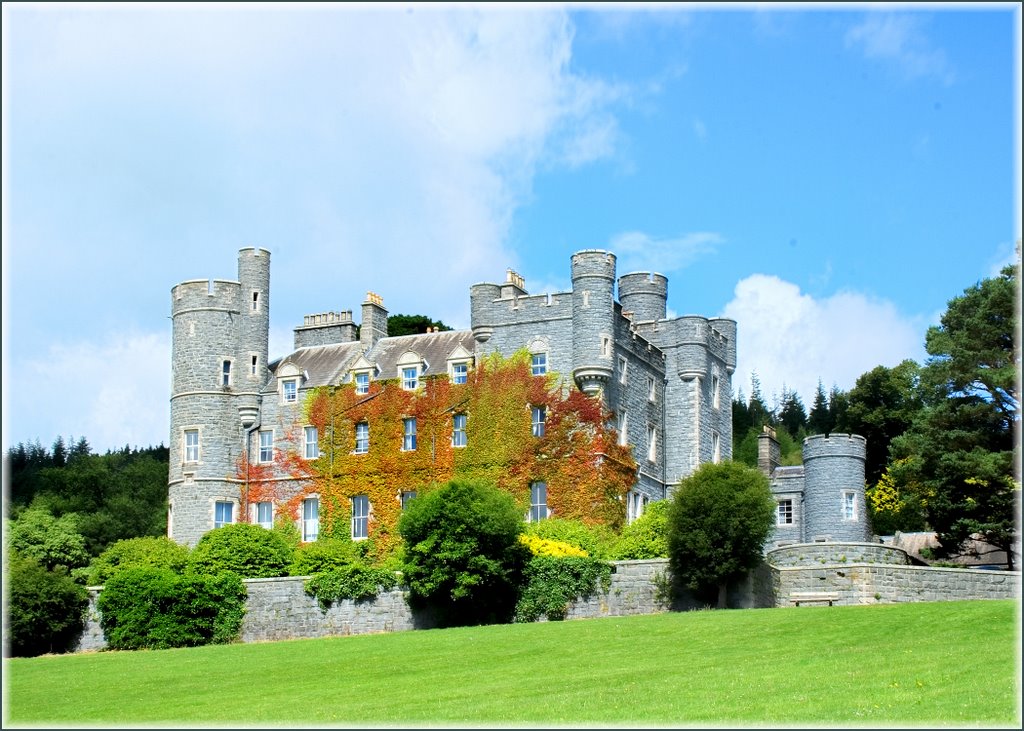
(593, 263)
(644, 294)
(834, 445)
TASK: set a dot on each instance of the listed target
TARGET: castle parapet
(644, 295)
(325, 328)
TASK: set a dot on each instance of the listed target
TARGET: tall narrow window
(267, 446)
(621, 427)
(849, 506)
(310, 519)
(312, 442)
(606, 346)
(191, 445)
(716, 388)
(622, 370)
(716, 448)
(290, 390)
(410, 378)
(264, 514)
(362, 437)
(652, 393)
(253, 363)
(539, 364)
(652, 443)
(459, 430)
(223, 514)
(362, 383)
(538, 416)
(360, 517)
(255, 301)
(460, 372)
(538, 501)
(225, 378)
(784, 512)
(409, 434)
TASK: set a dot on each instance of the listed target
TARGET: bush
(45, 609)
(162, 553)
(327, 554)
(464, 560)
(544, 547)
(248, 550)
(720, 518)
(151, 608)
(647, 536)
(349, 582)
(551, 583)
(596, 540)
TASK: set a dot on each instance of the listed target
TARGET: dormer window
(410, 378)
(460, 372)
(290, 390)
(410, 367)
(362, 383)
(459, 360)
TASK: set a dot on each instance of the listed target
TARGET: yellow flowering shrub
(545, 547)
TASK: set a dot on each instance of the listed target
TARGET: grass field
(929, 664)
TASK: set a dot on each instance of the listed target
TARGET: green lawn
(935, 664)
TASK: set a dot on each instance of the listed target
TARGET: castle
(667, 382)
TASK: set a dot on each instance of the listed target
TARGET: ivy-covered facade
(581, 404)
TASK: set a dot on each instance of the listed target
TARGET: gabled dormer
(411, 367)
(290, 379)
(361, 372)
(459, 361)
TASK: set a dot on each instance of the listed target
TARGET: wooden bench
(813, 597)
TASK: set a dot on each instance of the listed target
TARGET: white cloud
(898, 38)
(112, 393)
(638, 251)
(792, 339)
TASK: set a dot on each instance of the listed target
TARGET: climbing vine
(587, 472)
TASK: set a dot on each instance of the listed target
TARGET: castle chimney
(769, 454)
(375, 321)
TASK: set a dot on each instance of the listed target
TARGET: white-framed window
(409, 434)
(407, 497)
(460, 372)
(263, 514)
(191, 445)
(538, 415)
(538, 501)
(458, 430)
(623, 364)
(849, 505)
(362, 383)
(311, 442)
(652, 443)
(539, 364)
(360, 517)
(410, 378)
(290, 390)
(310, 519)
(716, 447)
(267, 445)
(255, 301)
(606, 346)
(636, 502)
(362, 437)
(225, 373)
(621, 428)
(223, 513)
(784, 512)
(652, 389)
(716, 389)
(254, 362)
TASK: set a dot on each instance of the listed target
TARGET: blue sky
(829, 176)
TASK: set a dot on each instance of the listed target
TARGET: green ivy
(349, 582)
(551, 583)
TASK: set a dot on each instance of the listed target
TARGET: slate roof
(330, 364)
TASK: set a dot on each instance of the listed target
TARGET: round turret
(644, 294)
(834, 507)
(593, 311)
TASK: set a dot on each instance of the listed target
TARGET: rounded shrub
(248, 550)
(152, 608)
(327, 554)
(596, 540)
(647, 536)
(150, 551)
(463, 557)
(45, 609)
